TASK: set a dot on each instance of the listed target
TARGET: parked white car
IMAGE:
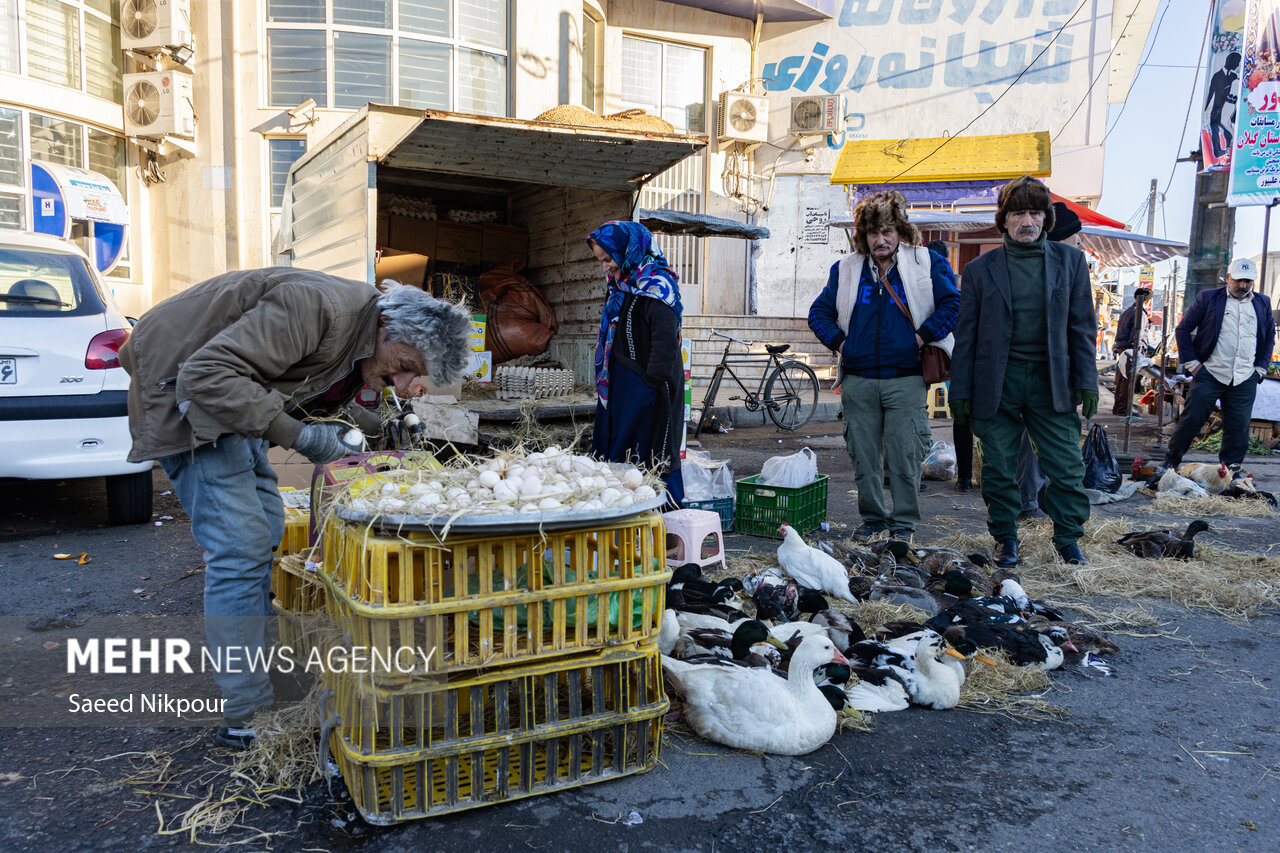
(63, 411)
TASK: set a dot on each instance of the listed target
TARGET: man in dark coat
(1024, 357)
(1126, 338)
(1225, 341)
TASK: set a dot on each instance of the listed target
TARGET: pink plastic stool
(689, 528)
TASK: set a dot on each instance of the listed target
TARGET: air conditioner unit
(152, 25)
(742, 118)
(816, 115)
(158, 103)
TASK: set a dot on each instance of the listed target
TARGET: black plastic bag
(1101, 470)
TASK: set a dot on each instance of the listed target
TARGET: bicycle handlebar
(732, 338)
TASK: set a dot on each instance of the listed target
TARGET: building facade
(271, 77)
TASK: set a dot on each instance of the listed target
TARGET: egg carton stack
(403, 205)
(532, 383)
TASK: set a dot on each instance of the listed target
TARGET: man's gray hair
(438, 329)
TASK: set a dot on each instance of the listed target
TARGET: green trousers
(1025, 400)
(885, 418)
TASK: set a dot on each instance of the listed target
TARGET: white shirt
(1231, 361)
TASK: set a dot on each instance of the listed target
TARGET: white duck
(930, 682)
(755, 710)
(812, 567)
(668, 632)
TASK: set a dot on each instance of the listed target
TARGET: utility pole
(1213, 230)
(1151, 209)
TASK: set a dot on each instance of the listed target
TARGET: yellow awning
(964, 158)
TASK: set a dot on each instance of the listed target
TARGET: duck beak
(776, 643)
(984, 659)
(1070, 645)
(950, 651)
(836, 657)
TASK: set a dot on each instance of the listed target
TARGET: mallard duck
(749, 637)
(899, 594)
(775, 600)
(691, 621)
(1024, 645)
(751, 709)
(1086, 640)
(1157, 544)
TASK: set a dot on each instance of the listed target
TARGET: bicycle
(788, 392)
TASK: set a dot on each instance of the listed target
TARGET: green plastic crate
(761, 510)
(723, 506)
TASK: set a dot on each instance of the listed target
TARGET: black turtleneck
(1025, 262)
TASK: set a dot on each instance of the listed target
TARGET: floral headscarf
(643, 271)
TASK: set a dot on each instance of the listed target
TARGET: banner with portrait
(1221, 85)
(1255, 158)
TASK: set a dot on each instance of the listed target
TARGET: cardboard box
(502, 244)
(482, 366)
(412, 235)
(458, 242)
(404, 267)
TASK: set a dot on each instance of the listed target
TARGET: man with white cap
(1225, 341)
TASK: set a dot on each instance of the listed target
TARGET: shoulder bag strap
(884, 279)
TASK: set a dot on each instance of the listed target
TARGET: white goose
(755, 710)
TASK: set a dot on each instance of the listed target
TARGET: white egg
(632, 478)
(530, 507)
(645, 493)
(549, 503)
(489, 479)
(531, 487)
(625, 499)
(610, 496)
(496, 464)
(421, 507)
(390, 488)
(456, 492)
(503, 492)
(534, 457)
(418, 489)
(392, 505)
(584, 466)
(353, 437)
(553, 450)
(564, 464)
(436, 485)
(599, 483)
(361, 505)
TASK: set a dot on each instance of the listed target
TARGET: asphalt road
(1179, 751)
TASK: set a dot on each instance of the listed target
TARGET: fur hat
(879, 211)
(1025, 193)
(1065, 223)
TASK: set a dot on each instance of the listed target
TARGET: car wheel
(129, 498)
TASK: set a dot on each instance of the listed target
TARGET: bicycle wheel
(709, 400)
(791, 395)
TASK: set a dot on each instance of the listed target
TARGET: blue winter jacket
(881, 343)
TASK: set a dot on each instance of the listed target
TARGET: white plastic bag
(790, 472)
(706, 480)
(940, 464)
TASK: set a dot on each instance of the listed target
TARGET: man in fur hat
(1024, 357)
(883, 304)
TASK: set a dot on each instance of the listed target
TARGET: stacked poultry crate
(504, 660)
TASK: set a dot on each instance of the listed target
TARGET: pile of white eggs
(544, 481)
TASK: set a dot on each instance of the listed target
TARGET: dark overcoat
(985, 329)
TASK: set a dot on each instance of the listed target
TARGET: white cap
(1243, 268)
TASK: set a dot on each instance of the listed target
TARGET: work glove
(395, 434)
(1088, 402)
(322, 443)
(960, 411)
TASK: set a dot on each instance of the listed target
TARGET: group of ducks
(778, 687)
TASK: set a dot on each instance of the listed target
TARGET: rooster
(1142, 471)
(1212, 478)
(812, 567)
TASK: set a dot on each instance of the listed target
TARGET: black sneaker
(868, 529)
(236, 737)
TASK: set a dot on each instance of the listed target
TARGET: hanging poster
(1222, 85)
(1255, 160)
(815, 224)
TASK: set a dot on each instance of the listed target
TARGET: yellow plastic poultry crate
(296, 589)
(472, 601)
(297, 527)
(432, 748)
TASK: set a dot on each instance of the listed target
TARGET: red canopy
(1089, 217)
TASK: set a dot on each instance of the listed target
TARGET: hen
(1175, 484)
(812, 567)
(1212, 478)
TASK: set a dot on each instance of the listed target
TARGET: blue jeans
(230, 492)
(1237, 409)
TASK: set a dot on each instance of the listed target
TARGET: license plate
(8, 371)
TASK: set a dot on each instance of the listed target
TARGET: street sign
(1146, 276)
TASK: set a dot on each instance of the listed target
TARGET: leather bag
(934, 361)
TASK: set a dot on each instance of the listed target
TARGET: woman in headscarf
(639, 375)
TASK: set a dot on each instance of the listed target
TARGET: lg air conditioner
(742, 118)
(158, 104)
(152, 25)
(816, 115)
